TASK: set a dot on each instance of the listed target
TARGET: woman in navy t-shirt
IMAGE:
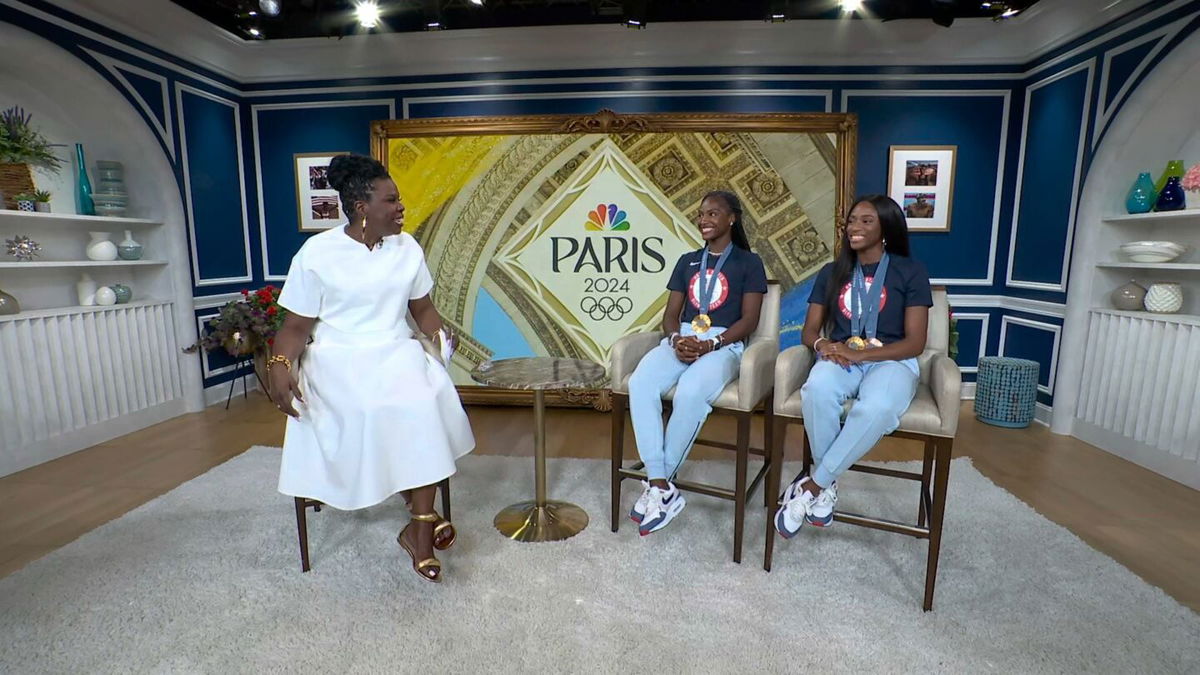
(873, 333)
(707, 317)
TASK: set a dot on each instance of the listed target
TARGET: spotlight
(269, 7)
(478, 3)
(777, 11)
(435, 25)
(367, 13)
(851, 6)
(255, 32)
(1009, 13)
(635, 14)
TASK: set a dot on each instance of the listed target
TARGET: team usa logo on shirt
(719, 295)
(844, 298)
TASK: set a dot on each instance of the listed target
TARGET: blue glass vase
(1171, 198)
(1141, 196)
(83, 186)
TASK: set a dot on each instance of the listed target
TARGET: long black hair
(738, 231)
(354, 176)
(893, 227)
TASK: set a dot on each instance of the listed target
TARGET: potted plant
(1191, 185)
(41, 201)
(25, 202)
(22, 146)
(245, 328)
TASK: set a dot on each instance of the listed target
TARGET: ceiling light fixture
(851, 6)
(777, 11)
(367, 13)
(635, 14)
(269, 7)
(255, 32)
(477, 2)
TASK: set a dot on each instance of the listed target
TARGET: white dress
(379, 414)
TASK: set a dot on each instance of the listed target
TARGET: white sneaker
(790, 517)
(794, 489)
(638, 512)
(661, 507)
(821, 512)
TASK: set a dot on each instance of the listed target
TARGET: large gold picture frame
(482, 194)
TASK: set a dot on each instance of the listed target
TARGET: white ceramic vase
(1164, 298)
(100, 248)
(106, 296)
(86, 288)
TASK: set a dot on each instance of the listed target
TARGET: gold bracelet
(279, 358)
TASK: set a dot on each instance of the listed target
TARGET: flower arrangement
(1191, 179)
(244, 326)
(20, 143)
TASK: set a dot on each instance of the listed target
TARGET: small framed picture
(921, 180)
(316, 201)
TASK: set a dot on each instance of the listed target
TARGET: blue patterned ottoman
(1006, 391)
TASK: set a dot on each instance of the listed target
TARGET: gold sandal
(428, 563)
(440, 542)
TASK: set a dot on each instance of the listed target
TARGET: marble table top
(539, 372)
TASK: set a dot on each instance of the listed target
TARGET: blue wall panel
(1029, 342)
(970, 330)
(974, 124)
(1047, 181)
(210, 132)
(283, 133)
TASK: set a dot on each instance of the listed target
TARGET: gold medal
(856, 343)
(701, 323)
(874, 342)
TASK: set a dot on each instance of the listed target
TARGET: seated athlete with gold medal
(716, 295)
(873, 303)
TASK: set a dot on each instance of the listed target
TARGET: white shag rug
(206, 579)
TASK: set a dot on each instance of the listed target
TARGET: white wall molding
(1006, 321)
(180, 90)
(985, 323)
(1001, 159)
(1061, 286)
(258, 182)
(164, 127)
(1053, 309)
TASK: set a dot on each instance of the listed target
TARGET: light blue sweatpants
(883, 390)
(697, 385)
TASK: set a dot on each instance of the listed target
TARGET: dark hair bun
(344, 169)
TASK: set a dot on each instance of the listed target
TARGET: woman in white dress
(370, 413)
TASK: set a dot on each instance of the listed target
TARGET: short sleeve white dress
(379, 414)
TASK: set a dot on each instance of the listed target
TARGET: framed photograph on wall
(316, 201)
(921, 180)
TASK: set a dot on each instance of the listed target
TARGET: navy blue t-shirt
(906, 285)
(743, 272)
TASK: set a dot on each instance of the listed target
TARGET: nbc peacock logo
(606, 218)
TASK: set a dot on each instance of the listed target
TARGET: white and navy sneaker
(638, 512)
(661, 507)
(794, 489)
(820, 514)
(791, 516)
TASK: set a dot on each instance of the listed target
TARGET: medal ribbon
(864, 304)
(706, 289)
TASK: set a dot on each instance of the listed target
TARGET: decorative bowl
(1153, 251)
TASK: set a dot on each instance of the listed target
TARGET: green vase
(1174, 170)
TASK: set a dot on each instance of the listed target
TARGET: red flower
(268, 287)
(271, 341)
(245, 292)
(271, 311)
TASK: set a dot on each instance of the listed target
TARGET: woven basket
(15, 179)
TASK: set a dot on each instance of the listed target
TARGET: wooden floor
(1142, 520)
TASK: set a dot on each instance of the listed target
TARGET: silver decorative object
(23, 248)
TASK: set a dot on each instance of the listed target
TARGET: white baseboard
(1162, 462)
(219, 393)
(61, 445)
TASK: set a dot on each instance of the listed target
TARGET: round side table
(541, 519)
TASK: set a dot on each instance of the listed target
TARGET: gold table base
(553, 521)
(541, 519)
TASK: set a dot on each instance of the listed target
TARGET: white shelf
(79, 309)
(1190, 319)
(1159, 218)
(58, 264)
(11, 218)
(1151, 266)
